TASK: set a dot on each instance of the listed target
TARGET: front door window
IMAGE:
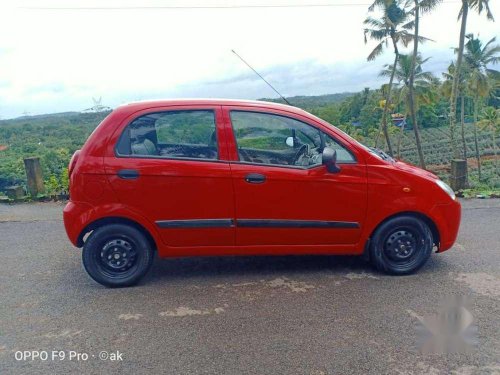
(264, 138)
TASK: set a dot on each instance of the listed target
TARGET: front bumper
(447, 218)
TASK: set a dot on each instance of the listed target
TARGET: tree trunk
(34, 176)
(464, 144)
(494, 138)
(399, 140)
(411, 95)
(478, 158)
(457, 174)
(388, 99)
(454, 88)
(377, 137)
(462, 123)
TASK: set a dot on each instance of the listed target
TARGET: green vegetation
(313, 101)
(430, 112)
(53, 138)
(195, 127)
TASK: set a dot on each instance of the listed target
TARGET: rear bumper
(75, 215)
(447, 218)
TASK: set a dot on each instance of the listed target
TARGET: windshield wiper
(382, 154)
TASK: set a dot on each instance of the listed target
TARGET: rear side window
(173, 134)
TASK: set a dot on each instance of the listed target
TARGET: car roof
(138, 105)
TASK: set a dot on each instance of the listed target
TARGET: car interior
(141, 139)
(297, 154)
(256, 144)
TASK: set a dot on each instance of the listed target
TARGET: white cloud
(57, 59)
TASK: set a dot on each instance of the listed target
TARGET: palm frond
(375, 4)
(377, 51)
(427, 76)
(386, 71)
(480, 6)
(376, 34)
(427, 6)
(494, 74)
(409, 25)
(373, 22)
(422, 62)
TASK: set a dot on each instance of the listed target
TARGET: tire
(401, 245)
(117, 255)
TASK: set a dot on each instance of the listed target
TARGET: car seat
(144, 147)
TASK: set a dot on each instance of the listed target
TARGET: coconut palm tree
(480, 78)
(419, 6)
(422, 85)
(392, 26)
(479, 6)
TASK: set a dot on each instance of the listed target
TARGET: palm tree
(480, 78)
(423, 6)
(393, 27)
(490, 121)
(478, 5)
(422, 85)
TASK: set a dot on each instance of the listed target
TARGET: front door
(283, 194)
(167, 166)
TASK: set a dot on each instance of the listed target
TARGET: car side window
(174, 134)
(265, 138)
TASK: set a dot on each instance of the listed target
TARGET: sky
(57, 55)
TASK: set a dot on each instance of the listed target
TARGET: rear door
(283, 194)
(168, 165)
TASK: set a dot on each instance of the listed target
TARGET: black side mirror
(329, 159)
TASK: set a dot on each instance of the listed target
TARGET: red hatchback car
(231, 177)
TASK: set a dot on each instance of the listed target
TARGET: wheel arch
(426, 219)
(115, 220)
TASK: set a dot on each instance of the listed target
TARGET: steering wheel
(302, 149)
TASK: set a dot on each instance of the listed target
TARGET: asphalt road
(249, 315)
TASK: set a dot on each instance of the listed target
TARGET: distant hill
(61, 118)
(313, 101)
(45, 115)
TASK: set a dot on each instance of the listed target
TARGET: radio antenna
(256, 72)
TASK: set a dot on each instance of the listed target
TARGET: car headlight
(443, 185)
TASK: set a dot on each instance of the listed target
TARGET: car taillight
(72, 162)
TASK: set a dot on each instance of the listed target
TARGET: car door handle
(255, 178)
(128, 174)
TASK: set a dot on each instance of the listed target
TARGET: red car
(233, 177)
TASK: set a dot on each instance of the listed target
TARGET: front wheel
(117, 255)
(401, 245)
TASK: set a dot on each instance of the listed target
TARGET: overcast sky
(56, 55)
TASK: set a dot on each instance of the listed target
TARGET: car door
(168, 165)
(283, 201)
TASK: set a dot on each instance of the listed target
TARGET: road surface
(249, 315)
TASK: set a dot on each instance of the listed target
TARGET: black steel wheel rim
(402, 246)
(117, 257)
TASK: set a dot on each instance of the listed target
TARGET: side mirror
(289, 142)
(329, 159)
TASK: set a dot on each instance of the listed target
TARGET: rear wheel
(401, 245)
(117, 255)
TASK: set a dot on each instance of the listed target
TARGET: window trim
(239, 161)
(160, 157)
